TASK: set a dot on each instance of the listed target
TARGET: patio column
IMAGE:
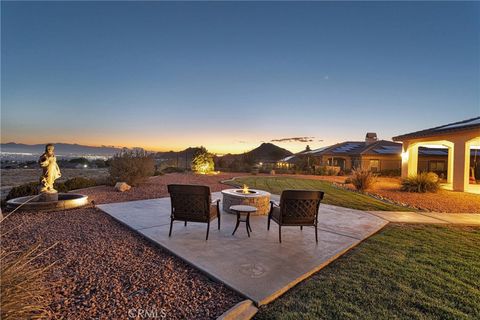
(450, 165)
(460, 165)
(409, 159)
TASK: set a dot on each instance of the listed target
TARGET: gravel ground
(443, 201)
(156, 187)
(103, 270)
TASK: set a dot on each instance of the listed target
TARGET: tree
(203, 161)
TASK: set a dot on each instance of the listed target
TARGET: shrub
(327, 170)
(391, 173)
(203, 162)
(157, 172)
(80, 183)
(132, 167)
(283, 171)
(423, 182)
(31, 188)
(27, 189)
(362, 179)
(61, 187)
(173, 170)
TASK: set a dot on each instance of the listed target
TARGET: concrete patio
(259, 267)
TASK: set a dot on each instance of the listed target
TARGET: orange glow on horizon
(221, 147)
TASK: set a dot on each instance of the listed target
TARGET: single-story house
(371, 154)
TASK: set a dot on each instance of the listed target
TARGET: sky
(231, 75)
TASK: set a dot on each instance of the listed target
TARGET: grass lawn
(403, 272)
(335, 196)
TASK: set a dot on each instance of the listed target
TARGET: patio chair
(193, 203)
(296, 208)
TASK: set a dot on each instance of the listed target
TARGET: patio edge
(244, 310)
(307, 275)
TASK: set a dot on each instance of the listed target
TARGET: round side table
(239, 209)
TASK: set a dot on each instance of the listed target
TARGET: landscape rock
(122, 186)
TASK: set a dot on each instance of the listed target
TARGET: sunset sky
(232, 75)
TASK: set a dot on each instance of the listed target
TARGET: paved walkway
(470, 219)
(260, 268)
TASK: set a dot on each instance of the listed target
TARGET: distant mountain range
(60, 149)
(265, 152)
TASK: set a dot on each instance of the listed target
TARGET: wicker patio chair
(296, 208)
(192, 203)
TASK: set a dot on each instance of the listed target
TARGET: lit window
(375, 165)
(437, 166)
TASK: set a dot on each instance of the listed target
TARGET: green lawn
(335, 196)
(403, 272)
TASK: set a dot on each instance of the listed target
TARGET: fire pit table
(250, 197)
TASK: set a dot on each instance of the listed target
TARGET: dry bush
(22, 285)
(423, 182)
(132, 167)
(362, 179)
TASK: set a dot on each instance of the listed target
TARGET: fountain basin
(65, 201)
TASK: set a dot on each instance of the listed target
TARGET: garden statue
(51, 171)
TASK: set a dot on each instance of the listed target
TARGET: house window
(375, 165)
(436, 166)
(356, 163)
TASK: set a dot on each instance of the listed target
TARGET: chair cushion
(213, 211)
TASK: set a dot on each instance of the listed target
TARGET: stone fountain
(48, 198)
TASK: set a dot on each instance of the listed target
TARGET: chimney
(370, 137)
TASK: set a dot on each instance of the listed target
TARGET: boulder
(122, 186)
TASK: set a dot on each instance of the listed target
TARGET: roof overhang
(465, 125)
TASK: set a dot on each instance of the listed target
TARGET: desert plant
(132, 167)
(27, 189)
(422, 182)
(23, 287)
(22, 282)
(362, 179)
(203, 162)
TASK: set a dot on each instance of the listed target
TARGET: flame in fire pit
(245, 189)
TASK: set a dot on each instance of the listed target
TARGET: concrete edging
(244, 310)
